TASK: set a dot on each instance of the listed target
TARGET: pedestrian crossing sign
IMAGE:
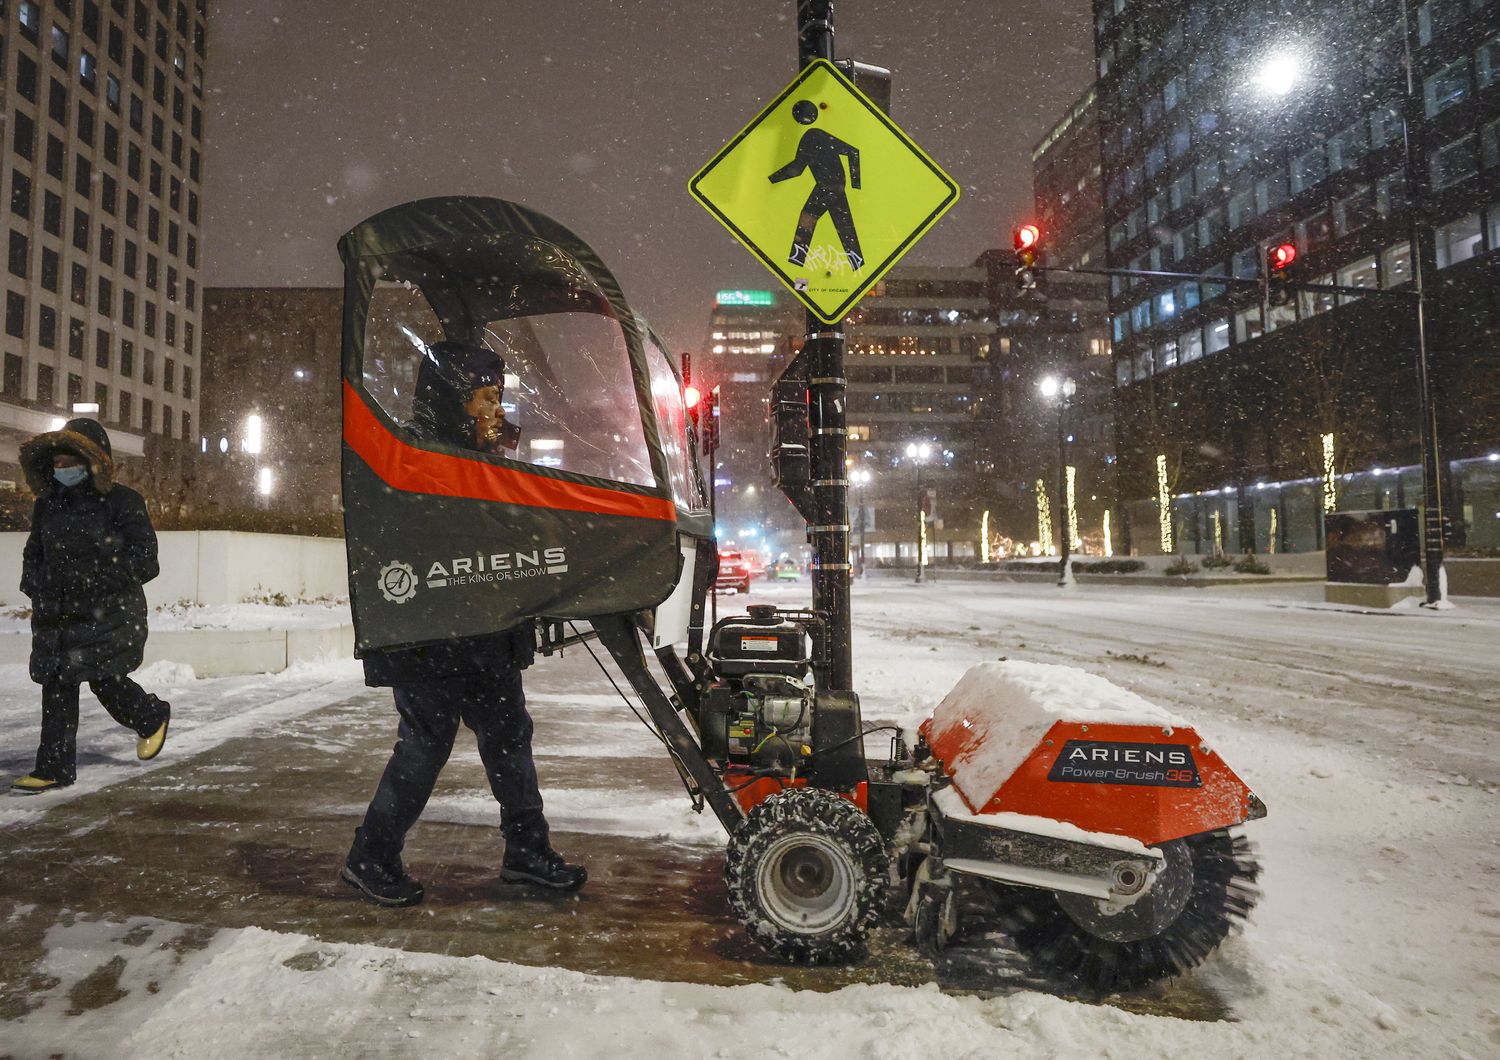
(825, 190)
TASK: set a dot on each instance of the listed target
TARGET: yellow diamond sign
(825, 190)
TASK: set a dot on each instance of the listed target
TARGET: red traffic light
(691, 396)
(1280, 256)
(1027, 236)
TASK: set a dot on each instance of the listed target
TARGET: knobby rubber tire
(831, 824)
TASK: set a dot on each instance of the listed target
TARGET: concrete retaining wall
(209, 567)
(224, 652)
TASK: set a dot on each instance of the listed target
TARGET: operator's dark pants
(491, 703)
(127, 702)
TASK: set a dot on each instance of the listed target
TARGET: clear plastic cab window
(553, 389)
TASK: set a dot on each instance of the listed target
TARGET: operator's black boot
(382, 882)
(543, 866)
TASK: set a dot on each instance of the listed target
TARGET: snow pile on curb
(165, 674)
(1005, 708)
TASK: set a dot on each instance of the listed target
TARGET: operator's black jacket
(90, 550)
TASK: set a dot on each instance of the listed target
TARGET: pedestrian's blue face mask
(70, 476)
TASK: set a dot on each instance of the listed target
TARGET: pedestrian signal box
(825, 190)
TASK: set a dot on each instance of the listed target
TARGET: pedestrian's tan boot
(148, 747)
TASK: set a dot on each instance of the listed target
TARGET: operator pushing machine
(1100, 832)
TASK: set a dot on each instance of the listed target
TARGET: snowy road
(188, 907)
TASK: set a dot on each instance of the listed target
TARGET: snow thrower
(1094, 823)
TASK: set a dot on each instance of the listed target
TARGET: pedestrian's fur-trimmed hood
(36, 460)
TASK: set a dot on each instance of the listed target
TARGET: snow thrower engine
(758, 712)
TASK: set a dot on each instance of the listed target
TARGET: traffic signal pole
(824, 350)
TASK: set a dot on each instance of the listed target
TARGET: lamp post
(1432, 486)
(917, 453)
(1278, 77)
(861, 478)
(1062, 390)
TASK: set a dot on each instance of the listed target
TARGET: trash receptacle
(1371, 556)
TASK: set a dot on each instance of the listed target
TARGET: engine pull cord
(693, 793)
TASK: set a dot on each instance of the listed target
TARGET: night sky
(597, 113)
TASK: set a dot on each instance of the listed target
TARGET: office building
(102, 177)
(1231, 128)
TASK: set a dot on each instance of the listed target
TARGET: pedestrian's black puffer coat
(91, 549)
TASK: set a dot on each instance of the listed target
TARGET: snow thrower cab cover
(568, 506)
(1042, 740)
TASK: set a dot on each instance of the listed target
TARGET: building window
(1143, 364)
(1453, 162)
(1385, 127)
(57, 157)
(1487, 62)
(1489, 140)
(26, 77)
(1190, 345)
(1437, 17)
(127, 308)
(23, 136)
(1459, 240)
(1347, 148)
(1216, 336)
(20, 254)
(20, 194)
(1395, 265)
(77, 333)
(46, 385)
(60, 44)
(78, 289)
(1447, 87)
(1315, 230)
(127, 363)
(187, 381)
(51, 269)
(1359, 273)
(14, 380)
(112, 92)
(101, 354)
(30, 18)
(1309, 168)
(1247, 324)
(1354, 212)
(81, 230)
(1242, 208)
(126, 409)
(15, 315)
(46, 327)
(148, 414)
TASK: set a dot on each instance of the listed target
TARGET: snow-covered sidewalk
(1372, 739)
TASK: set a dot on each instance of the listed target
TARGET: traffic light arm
(1238, 281)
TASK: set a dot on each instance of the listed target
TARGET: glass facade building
(1229, 128)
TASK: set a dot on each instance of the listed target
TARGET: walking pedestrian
(90, 551)
(473, 680)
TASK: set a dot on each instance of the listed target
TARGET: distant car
(754, 563)
(783, 571)
(734, 573)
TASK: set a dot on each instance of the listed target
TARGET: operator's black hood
(449, 374)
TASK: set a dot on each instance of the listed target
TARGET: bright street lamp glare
(924, 450)
(1049, 386)
(1277, 74)
(911, 449)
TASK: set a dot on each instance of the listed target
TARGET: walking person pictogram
(821, 152)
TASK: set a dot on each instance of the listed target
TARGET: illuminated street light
(1067, 518)
(1278, 74)
(918, 452)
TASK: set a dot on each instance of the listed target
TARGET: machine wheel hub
(1139, 915)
